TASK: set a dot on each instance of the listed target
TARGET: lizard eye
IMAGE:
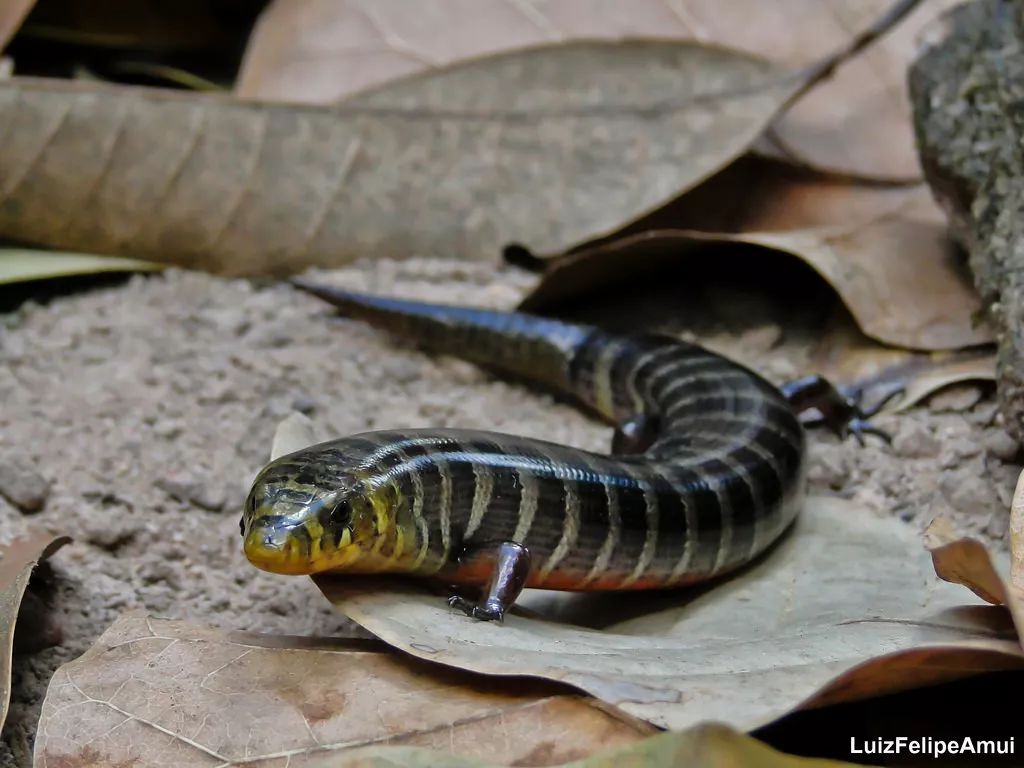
(341, 521)
(342, 513)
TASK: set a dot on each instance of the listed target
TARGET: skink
(707, 469)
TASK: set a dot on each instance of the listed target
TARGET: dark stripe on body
(729, 452)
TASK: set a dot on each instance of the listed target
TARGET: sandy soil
(137, 415)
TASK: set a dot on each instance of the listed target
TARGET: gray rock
(966, 92)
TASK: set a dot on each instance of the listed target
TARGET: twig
(827, 66)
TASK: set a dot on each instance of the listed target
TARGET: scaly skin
(721, 478)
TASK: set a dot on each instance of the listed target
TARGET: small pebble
(966, 491)
(984, 414)
(22, 485)
(160, 571)
(188, 488)
(1002, 446)
(220, 391)
(998, 524)
(915, 441)
(957, 448)
(304, 404)
(168, 429)
(108, 531)
(762, 338)
(210, 496)
(267, 336)
(830, 465)
(401, 369)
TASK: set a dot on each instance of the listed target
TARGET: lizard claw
(839, 408)
(485, 612)
(859, 422)
(859, 427)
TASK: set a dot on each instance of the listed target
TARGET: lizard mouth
(279, 549)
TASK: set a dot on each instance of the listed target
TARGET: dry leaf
(12, 13)
(896, 270)
(705, 745)
(19, 265)
(967, 561)
(153, 690)
(296, 431)
(847, 356)
(842, 609)
(857, 121)
(937, 375)
(844, 354)
(549, 146)
(17, 561)
(758, 194)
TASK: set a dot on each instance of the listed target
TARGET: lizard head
(310, 511)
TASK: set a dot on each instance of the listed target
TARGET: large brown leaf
(12, 13)
(759, 194)
(549, 146)
(158, 692)
(885, 251)
(846, 607)
(859, 121)
(711, 745)
(17, 561)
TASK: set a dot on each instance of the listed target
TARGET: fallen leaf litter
(184, 377)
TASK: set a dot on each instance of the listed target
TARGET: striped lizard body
(720, 476)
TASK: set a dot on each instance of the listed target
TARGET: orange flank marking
(477, 573)
(573, 582)
(567, 580)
